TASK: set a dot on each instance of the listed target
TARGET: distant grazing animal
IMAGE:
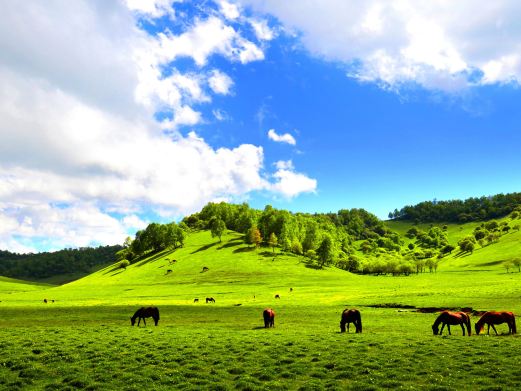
(291, 289)
(447, 318)
(205, 269)
(269, 318)
(196, 300)
(277, 297)
(45, 301)
(210, 300)
(145, 312)
(492, 317)
(169, 271)
(172, 261)
(351, 316)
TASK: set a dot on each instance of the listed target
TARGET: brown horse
(447, 318)
(492, 317)
(145, 312)
(351, 316)
(269, 318)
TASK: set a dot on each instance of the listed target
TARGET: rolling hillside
(241, 275)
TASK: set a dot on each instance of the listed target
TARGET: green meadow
(83, 340)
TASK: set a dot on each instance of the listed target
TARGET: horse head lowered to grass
(145, 312)
(351, 316)
(491, 318)
(448, 318)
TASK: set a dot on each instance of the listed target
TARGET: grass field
(84, 339)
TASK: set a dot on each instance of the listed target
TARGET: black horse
(269, 318)
(145, 312)
(210, 300)
(351, 316)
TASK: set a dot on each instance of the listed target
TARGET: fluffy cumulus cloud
(440, 45)
(281, 138)
(220, 82)
(82, 158)
(290, 183)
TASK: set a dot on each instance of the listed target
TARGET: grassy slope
(490, 258)
(237, 273)
(84, 340)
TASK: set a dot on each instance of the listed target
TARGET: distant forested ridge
(48, 264)
(458, 211)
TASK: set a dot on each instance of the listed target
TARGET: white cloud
(441, 45)
(229, 10)
(290, 183)
(152, 8)
(262, 30)
(79, 144)
(220, 82)
(281, 138)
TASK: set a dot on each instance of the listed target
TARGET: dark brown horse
(145, 312)
(351, 316)
(447, 318)
(492, 317)
(210, 300)
(269, 318)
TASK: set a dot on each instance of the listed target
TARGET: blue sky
(137, 111)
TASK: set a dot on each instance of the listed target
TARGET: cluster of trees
(155, 237)
(49, 264)
(457, 211)
(326, 239)
(486, 233)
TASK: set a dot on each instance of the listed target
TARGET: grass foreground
(84, 339)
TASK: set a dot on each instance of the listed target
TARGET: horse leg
(494, 328)
(442, 327)
(138, 321)
(448, 328)
(462, 329)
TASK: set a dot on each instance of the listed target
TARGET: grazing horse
(45, 301)
(492, 317)
(269, 318)
(210, 300)
(277, 296)
(351, 316)
(145, 312)
(448, 318)
(205, 269)
(196, 300)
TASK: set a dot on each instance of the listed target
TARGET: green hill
(239, 274)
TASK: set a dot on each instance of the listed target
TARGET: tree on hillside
(217, 227)
(325, 251)
(273, 241)
(253, 236)
(467, 244)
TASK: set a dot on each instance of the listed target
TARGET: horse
(492, 317)
(45, 301)
(351, 316)
(145, 312)
(205, 269)
(210, 300)
(448, 318)
(277, 296)
(196, 300)
(269, 318)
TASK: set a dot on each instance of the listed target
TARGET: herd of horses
(446, 318)
(490, 318)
